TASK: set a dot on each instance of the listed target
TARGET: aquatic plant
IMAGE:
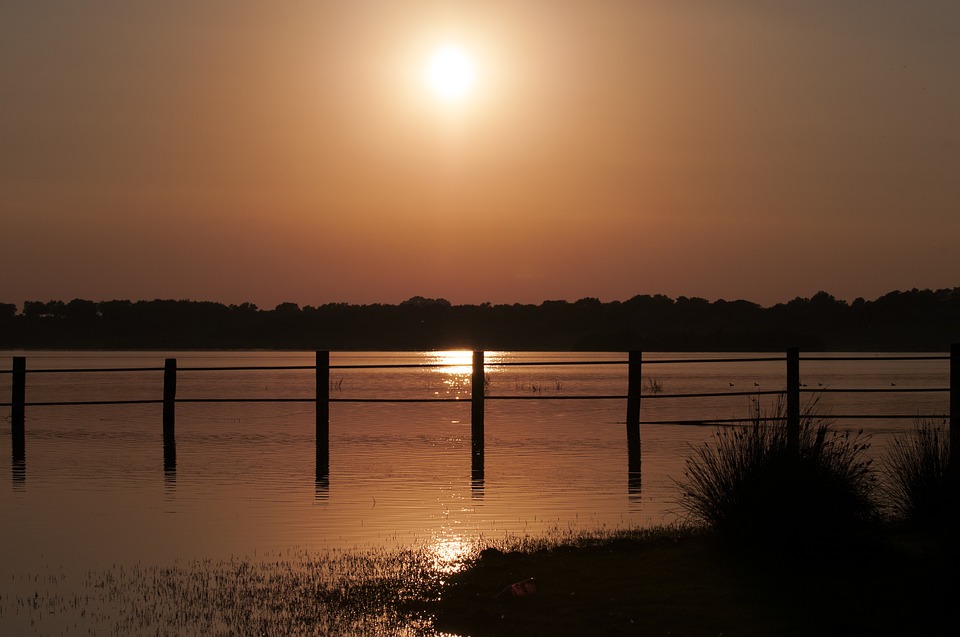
(920, 486)
(374, 592)
(749, 485)
(654, 385)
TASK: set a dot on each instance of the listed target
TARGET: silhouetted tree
(913, 320)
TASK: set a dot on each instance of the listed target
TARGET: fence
(322, 399)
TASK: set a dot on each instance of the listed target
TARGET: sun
(451, 73)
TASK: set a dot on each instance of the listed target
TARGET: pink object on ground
(523, 589)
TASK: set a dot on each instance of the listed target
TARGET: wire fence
(509, 397)
(633, 396)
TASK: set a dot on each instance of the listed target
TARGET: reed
(920, 487)
(748, 485)
(375, 592)
(654, 385)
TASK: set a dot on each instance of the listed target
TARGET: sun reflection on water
(453, 362)
(449, 553)
(456, 367)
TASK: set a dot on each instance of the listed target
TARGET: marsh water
(93, 490)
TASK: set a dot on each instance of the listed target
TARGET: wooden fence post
(169, 414)
(476, 409)
(18, 408)
(634, 386)
(323, 415)
(955, 404)
(793, 400)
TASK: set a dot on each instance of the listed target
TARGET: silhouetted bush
(750, 487)
(920, 486)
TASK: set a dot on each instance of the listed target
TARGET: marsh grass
(374, 592)
(920, 486)
(747, 485)
(654, 385)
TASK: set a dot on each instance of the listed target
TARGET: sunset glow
(477, 151)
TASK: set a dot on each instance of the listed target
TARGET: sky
(293, 151)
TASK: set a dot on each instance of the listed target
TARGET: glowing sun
(450, 73)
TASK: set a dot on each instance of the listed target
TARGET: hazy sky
(241, 150)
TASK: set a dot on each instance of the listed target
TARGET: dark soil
(691, 583)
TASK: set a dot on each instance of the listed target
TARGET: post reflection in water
(634, 476)
(169, 454)
(476, 475)
(322, 488)
(19, 443)
(170, 480)
(19, 455)
(19, 473)
(169, 465)
(322, 481)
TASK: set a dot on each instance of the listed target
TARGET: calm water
(94, 492)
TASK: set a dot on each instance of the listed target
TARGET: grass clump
(750, 486)
(921, 487)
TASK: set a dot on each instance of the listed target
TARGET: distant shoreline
(914, 321)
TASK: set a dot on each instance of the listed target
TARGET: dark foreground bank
(649, 582)
(670, 582)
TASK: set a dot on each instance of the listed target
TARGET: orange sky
(290, 151)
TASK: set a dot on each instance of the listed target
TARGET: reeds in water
(375, 592)
(921, 487)
(750, 486)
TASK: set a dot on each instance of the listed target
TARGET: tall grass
(748, 485)
(920, 486)
(375, 592)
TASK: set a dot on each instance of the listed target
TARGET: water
(93, 491)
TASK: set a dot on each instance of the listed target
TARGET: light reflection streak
(456, 366)
(449, 553)
(452, 362)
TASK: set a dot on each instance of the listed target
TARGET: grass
(332, 593)
(920, 486)
(654, 385)
(751, 486)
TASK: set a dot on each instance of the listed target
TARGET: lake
(93, 491)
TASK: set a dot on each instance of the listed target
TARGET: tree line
(914, 320)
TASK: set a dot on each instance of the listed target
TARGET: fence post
(634, 386)
(18, 408)
(323, 415)
(793, 400)
(955, 404)
(169, 414)
(476, 409)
